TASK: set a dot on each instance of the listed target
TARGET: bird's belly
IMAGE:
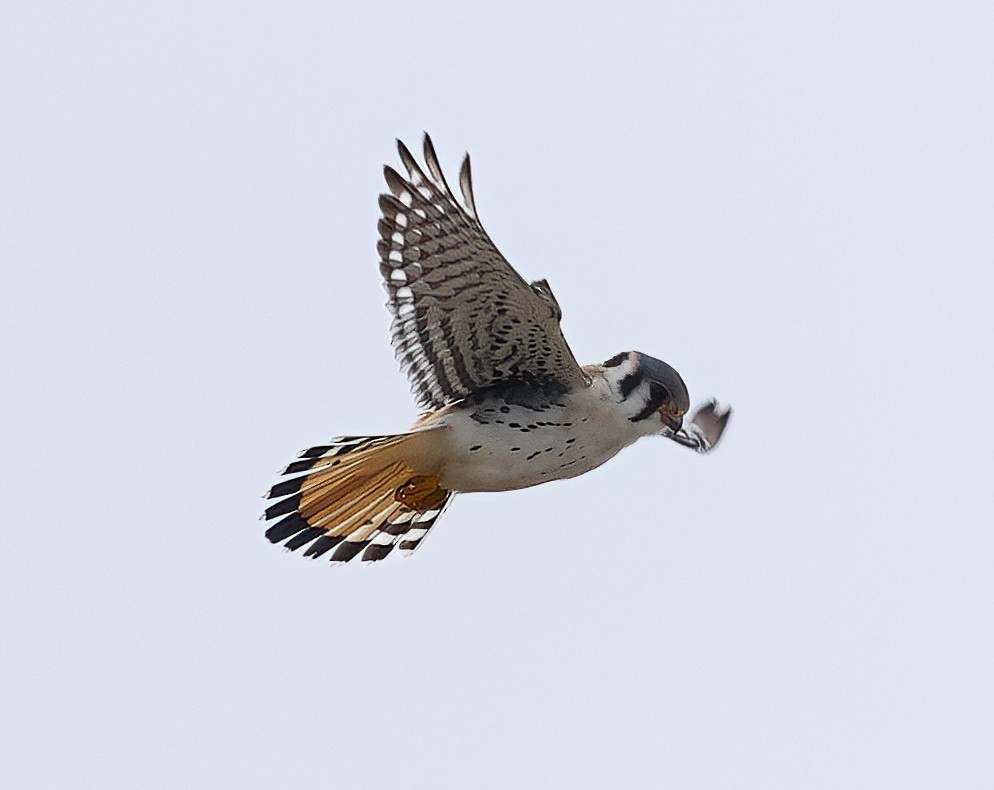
(519, 448)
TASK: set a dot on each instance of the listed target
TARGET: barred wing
(464, 320)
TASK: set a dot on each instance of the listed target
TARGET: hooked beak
(672, 420)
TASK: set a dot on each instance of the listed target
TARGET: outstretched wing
(464, 320)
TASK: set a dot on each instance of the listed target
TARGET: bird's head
(652, 392)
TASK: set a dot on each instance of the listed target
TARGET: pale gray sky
(793, 204)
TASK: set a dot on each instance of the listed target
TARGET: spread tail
(357, 494)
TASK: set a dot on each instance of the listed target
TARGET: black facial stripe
(657, 396)
(630, 382)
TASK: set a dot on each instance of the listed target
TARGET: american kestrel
(506, 406)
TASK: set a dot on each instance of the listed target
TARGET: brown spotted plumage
(507, 405)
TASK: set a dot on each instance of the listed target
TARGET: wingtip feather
(466, 186)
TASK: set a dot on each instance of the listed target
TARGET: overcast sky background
(792, 203)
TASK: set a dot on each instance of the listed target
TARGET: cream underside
(507, 458)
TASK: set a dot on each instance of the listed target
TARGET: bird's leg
(421, 493)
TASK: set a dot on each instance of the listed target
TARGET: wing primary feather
(386, 228)
(396, 183)
(466, 186)
(411, 164)
(431, 159)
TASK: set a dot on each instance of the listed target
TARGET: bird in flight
(505, 403)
